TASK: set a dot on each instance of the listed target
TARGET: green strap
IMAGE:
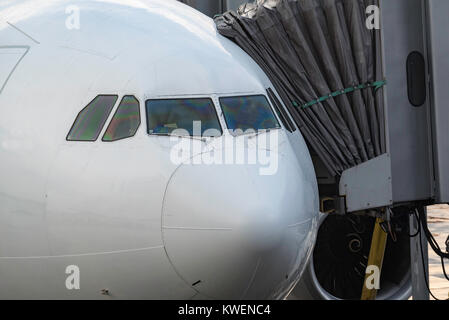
(376, 85)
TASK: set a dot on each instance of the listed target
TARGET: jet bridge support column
(419, 260)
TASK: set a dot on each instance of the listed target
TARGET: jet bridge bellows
(322, 60)
(358, 91)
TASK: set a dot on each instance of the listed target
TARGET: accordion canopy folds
(325, 63)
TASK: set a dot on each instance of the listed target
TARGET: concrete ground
(438, 221)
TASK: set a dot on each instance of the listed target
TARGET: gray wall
(234, 4)
(213, 7)
(408, 127)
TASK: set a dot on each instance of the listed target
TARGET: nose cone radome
(233, 233)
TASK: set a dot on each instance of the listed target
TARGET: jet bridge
(371, 102)
(360, 97)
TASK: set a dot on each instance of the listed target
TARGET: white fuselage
(134, 223)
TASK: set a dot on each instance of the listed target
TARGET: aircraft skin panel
(10, 57)
(260, 223)
(143, 274)
(121, 206)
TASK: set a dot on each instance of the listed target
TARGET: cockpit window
(126, 120)
(196, 117)
(248, 113)
(91, 119)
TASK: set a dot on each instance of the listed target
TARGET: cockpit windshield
(194, 117)
(248, 113)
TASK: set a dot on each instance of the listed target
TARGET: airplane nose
(232, 233)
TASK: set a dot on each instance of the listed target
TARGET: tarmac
(438, 221)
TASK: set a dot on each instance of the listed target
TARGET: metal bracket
(369, 185)
(330, 205)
